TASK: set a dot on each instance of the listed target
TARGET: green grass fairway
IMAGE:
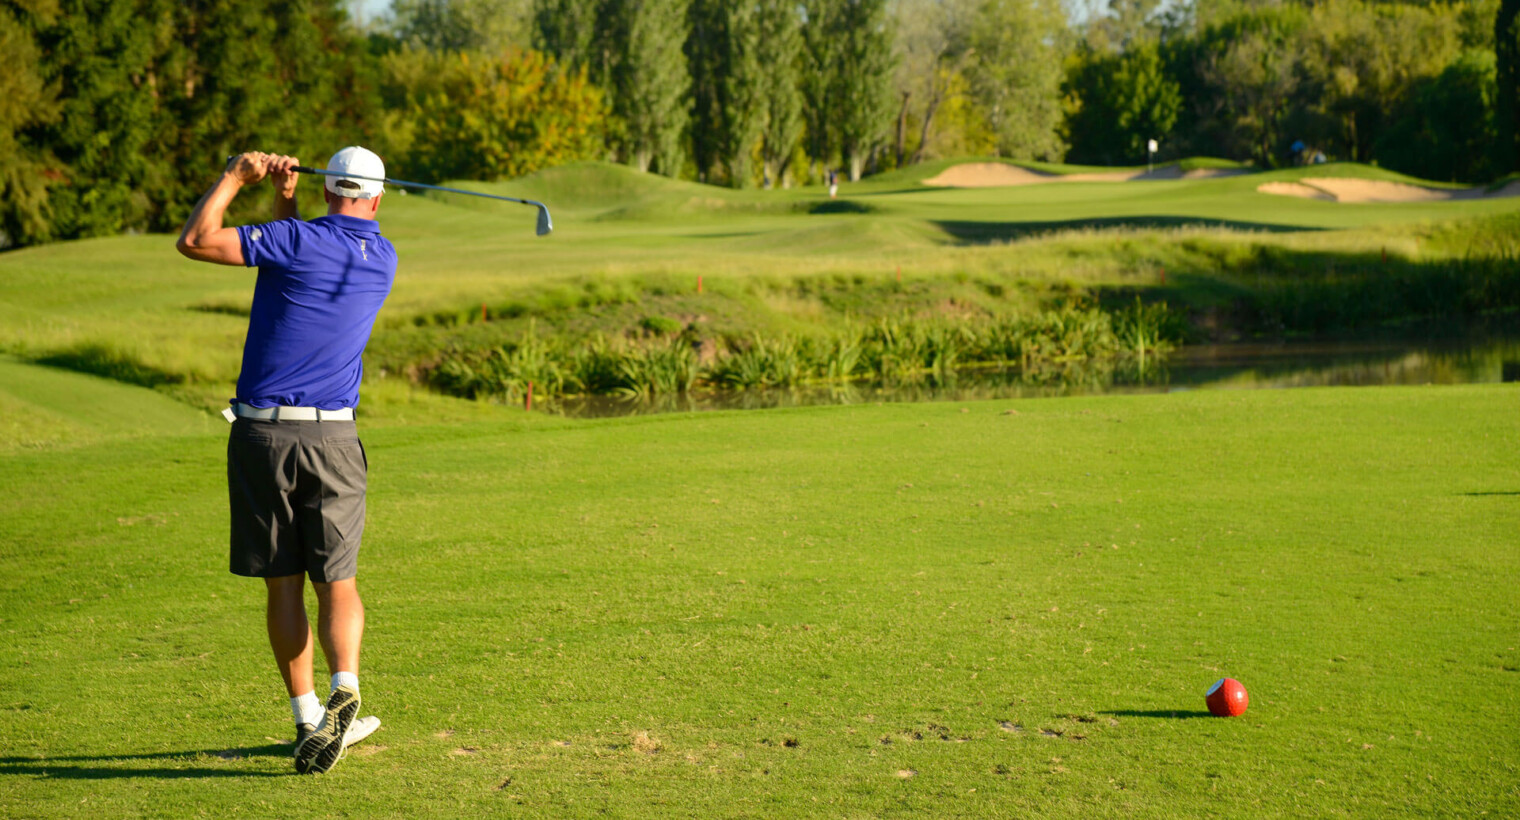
(902, 610)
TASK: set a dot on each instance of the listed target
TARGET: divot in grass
(646, 744)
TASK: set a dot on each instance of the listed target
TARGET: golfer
(296, 472)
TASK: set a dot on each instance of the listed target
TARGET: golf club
(545, 224)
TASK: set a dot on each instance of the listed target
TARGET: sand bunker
(1367, 190)
(998, 174)
(1295, 189)
(1215, 173)
(986, 175)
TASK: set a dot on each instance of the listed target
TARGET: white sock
(348, 679)
(307, 708)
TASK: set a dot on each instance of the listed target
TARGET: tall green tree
(1242, 73)
(575, 34)
(1123, 101)
(107, 60)
(470, 116)
(27, 101)
(862, 80)
(743, 63)
(1019, 46)
(650, 81)
(742, 92)
(1507, 101)
(819, 65)
(925, 31)
(1445, 126)
(705, 59)
(491, 26)
(1113, 25)
(1359, 61)
(779, 52)
(231, 92)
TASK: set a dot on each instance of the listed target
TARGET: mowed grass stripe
(858, 611)
(47, 406)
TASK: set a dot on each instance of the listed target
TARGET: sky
(368, 10)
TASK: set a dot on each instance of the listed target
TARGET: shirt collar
(350, 223)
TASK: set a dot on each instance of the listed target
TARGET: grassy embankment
(900, 610)
(891, 260)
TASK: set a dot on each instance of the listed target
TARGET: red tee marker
(1227, 698)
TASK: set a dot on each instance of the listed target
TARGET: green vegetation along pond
(1218, 366)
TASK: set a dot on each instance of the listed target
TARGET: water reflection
(1238, 366)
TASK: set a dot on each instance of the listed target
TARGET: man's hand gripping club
(204, 239)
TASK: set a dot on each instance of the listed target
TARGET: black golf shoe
(323, 748)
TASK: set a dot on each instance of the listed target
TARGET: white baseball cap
(360, 161)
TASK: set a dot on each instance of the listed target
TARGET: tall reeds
(889, 350)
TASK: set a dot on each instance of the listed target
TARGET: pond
(1200, 367)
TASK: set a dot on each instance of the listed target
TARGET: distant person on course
(296, 472)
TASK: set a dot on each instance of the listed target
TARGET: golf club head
(545, 225)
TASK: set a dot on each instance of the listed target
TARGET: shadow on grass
(99, 767)
(734, 235)
(840, 206)
(112, 363)
(1492, 493)
(982, 233)
(1172, 714)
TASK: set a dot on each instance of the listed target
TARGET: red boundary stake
(483, 316)
(528, 400)
(699, 283)
(1163, 276)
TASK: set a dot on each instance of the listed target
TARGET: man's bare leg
(340, 624)
(289, 631)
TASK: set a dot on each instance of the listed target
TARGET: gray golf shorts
(296, 490)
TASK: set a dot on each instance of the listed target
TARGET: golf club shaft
(302, 169)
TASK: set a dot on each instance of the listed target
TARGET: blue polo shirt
(320, 285)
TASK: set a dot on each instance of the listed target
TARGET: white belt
(278, 413)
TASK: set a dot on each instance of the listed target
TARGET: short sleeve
(270, 243)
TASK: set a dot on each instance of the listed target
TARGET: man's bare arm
(204, 239)
(284, 179)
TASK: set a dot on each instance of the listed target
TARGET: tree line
(114, 113)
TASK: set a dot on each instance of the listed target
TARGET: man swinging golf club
(296, 472)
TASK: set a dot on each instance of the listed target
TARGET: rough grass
(984, 609)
